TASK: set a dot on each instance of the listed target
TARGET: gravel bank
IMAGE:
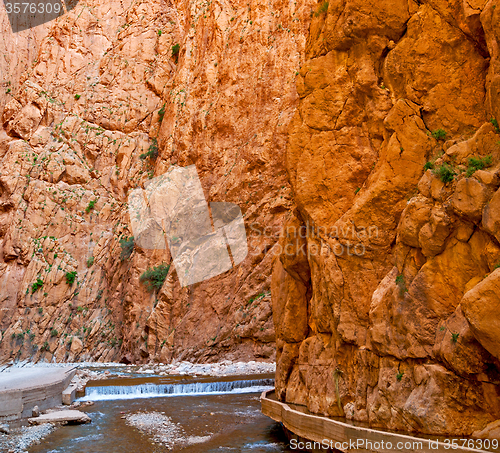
(162, 429)
(20, 439)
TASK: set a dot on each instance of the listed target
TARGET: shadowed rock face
(91, 92)
(386, 309)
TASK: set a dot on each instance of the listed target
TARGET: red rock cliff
(208, 83)
(385, 295)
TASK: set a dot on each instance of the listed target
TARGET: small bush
(90, 261)
(454, 337)
(400, 281)
(37, 285)
(152, 152)
(495, 125)
(154, 277)
(90, 206)
(77, 96)
(400, 375)
(127, 245)
(477, 163)
(45, 346)
(323, 8)
(161, 113)
(40, 310)
(70, 277)
(54, 333)
(497, 266)
(428, 166)
(439, 134)
(445, 173)
(175, 50)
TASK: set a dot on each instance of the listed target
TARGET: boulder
(480, 307)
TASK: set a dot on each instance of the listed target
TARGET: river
(206, 415)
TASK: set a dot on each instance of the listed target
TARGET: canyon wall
(386, 292)
(346, 128)
(207, 83)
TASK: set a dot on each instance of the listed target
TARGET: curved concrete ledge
(316, 428)
(23, 389)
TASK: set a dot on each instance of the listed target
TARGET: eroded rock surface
(398, 277)
(187, 83)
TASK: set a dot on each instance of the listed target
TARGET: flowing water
(209, 415)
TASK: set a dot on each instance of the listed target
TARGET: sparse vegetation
(152, 152)
(90, 261)
(90, 206)
(54, 333)
(77, 96)
(439, 134)
(45, 346)
(477, 163)
(454, 337)
(161, 113)
(323, 8)
(428, 165)
(258, 297)
(154, 277)
(37, 285)
(175, 52)
(400, 281)
(70, 277)
(495, 125)
(40, 310)
(400, 375)
(445, 173)
(127, 245)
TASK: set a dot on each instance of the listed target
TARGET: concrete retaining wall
(21, 392)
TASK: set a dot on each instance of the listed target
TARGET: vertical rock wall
(208, 83)
(384, 294)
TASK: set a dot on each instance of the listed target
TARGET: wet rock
(63, 417)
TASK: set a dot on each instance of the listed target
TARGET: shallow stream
(209, 415)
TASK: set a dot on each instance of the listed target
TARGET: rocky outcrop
(385, 306)
(205, 84)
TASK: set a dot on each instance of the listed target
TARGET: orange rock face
(207, 84)
(394, 168)
(365, 135)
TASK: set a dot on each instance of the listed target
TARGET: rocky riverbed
(155, 424)
(20, 439)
